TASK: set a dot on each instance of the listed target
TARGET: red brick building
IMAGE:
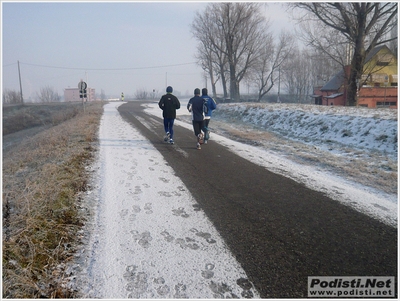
(377, 88)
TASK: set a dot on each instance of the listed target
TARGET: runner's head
(204, 91)
(169, 89)
(197, 91)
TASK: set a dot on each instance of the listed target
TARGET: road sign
(82, 85)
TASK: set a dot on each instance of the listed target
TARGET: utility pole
(279, 84)
(20, 84)
(87, 98)
(386, 84)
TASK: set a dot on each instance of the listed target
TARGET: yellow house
(380, 68)
(378, 85)
(376, 89)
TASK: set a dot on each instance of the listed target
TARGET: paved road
(279, 231)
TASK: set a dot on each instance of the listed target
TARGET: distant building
(72, 94)
(378, 84)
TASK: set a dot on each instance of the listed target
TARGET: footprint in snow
(165, 193)
(219, 290)
(138, 286)
(180, 212)
(196, 207)
(136, 208)
(208, 272)
(246, 285)
(162, 289)
(148, 208)
(168, 237)
(143, 239)
(205, 235)
(180, 291)
(164, 180)
(123, 213)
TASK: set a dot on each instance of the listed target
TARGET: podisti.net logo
(350, 287)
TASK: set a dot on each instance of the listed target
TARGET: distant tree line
(46, 94)
(11, 97)
(145, 94)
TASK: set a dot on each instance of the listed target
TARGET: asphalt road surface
(280, 231)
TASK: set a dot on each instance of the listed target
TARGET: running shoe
(166, 136)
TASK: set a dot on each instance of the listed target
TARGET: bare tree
(47, 94)
(270, 61)
(298, 75)
(235, 32)
(141, 94)
(305, 69)
(11, 96)
(326, 41)
(208, 61)
(210, 56)
(323, 67)
(364, 25)
(393, 44)
(102, 95)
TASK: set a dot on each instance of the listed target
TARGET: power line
(11, 64)
(107, 69)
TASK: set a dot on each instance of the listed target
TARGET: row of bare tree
(11, 97)
(236, 44)
(46, 94)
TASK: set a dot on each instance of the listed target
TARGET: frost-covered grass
(322, 126)
(42, 175)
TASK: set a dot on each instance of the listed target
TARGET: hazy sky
(114, 46)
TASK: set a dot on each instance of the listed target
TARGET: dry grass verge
(42, 177)
(25, 116)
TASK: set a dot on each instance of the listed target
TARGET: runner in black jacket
(195, 105)
(169, 103)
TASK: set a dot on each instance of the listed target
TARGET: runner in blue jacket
(210, 106)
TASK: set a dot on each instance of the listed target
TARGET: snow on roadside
(149, 237)
(380, 205)
(362, 128)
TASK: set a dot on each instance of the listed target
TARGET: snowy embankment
(323, 126)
